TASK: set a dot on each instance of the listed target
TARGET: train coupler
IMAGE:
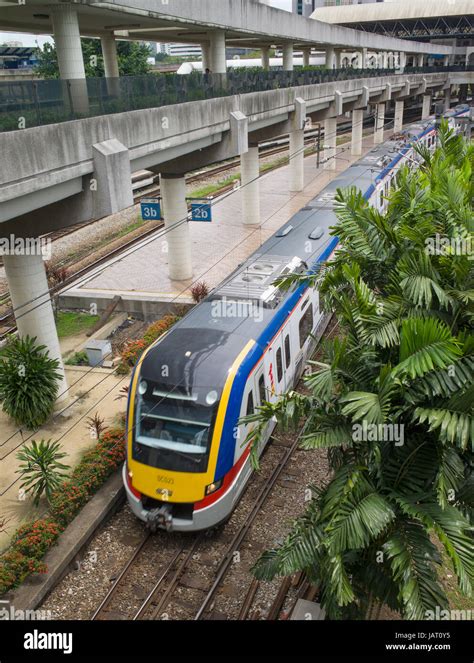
(160, 518)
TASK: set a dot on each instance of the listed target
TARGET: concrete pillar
(173, 192)
(330, 57)
(250, 173)
(70, 61)
(364, 58)
(403, 60)
(266, 57)
(111, 67)
(357, 128)
(306, 57)
(297, 160)
(447, 99)
(288, 57)
(398, 121)
(421, 60)
(338, 58)
(330, 142)
(446, 60)
(426, 109)
(29, 292)
(112, 172)
(217, 51)
(384, 60)
(379, 123)
(206, 57)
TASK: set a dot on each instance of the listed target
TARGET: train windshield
(173, 430)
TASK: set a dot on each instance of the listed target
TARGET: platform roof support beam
(426, 108)
(218, 52)
(266, 58)
(69, 52)
(29, 292)
(379, 123)
(330, 143)
(398, 120)
(250, 174)
(178, 241)
(288, 63)
(357, 129)
(111, 67)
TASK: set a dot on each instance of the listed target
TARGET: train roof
(200, 348)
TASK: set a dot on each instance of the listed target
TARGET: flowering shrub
(31, 542)
(132, 350)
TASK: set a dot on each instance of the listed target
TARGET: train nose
(160, 518)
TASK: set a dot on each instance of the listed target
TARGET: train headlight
(211, 397)
(212, 487)
(142, 387)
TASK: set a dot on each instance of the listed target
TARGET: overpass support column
(364, 58)
(206, 57)
(330, 142)
(250, 173)
(306, 57)
(218, 54)
(379, 123)
(338, 59)
(447, 99)
(29, 291)
(288, 57)
(446, 61)
(173, 191)
(421, 60)
(398, 120)
(297, 160)
(426, 109)
(111, 68)
(266, 57)
(403, 60)
(70, 60)
(357, 128)
(330, 57)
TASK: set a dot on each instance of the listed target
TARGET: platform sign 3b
(201, 211)
(151, 209)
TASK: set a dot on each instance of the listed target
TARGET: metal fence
(25, 104)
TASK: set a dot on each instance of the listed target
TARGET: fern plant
(41, 469)
(29, 382)
(402, 369)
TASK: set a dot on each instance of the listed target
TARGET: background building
(307, 7)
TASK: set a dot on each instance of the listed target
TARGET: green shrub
(29, 382)
(40, 469)
(78, 359)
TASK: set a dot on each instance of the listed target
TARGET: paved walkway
(217, 247)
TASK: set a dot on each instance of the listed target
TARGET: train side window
(261, 389)
(287, 351)
(279, 365)
(306, 325)
(250, 405)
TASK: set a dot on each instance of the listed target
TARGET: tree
(29, 382)
(392, 400)
(40, 469)
(132, 59)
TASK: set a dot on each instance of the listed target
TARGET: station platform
(140, 275)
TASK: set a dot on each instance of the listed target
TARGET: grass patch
(71, 324)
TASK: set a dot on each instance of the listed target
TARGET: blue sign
(151, 209)
(201, 212)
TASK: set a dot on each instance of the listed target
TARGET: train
(247, 343)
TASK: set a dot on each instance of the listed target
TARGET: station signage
(151, 209)
(201, 209)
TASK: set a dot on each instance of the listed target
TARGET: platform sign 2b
(151, 209)
(201, 211)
